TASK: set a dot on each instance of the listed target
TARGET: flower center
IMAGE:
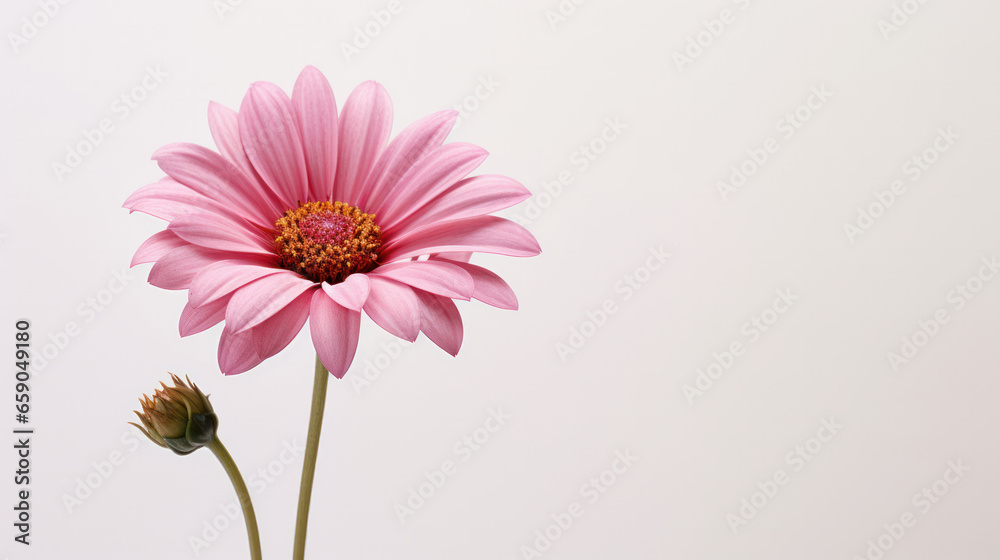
(327, 241)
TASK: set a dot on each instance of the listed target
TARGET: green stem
(233, 471)
(309, 464)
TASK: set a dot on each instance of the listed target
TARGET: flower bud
(179, 418)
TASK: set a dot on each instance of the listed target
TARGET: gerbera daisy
(306, 214)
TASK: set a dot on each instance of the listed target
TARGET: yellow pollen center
(327, 241)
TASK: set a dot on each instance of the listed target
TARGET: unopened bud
(179, 418)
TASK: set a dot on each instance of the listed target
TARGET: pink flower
(305, 213)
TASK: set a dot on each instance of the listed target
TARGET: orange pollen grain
(327, 241)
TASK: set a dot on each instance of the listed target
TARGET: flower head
(307, 213)
(179, 418)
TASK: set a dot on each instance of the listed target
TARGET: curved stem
(309, 464)
(226, 459)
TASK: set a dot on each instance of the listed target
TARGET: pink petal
(216, 232)
(474, 196)
(316, 116)
(165, 199)
(480, 234)
(213, 176)
(352, 293)
(178, 267)
(197, 319)
(274, 334)
(409, 146)
(242, 351)
(224, 125)
(490, 288)
(261, 299)
(437, 277)
(237, 353)
(335, 332)
(365, 125)
(394, 307)
(272, 142)
(224, 277)
(456, 256)
(154, 248)
(430, 177)
(440, 321)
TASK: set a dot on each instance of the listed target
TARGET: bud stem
(322, 376)
(241, 490)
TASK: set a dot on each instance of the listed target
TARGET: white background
(65, 237)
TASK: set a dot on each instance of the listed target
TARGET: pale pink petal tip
(156, 247)
(394, 307)
(335, 331)
(441, 321)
